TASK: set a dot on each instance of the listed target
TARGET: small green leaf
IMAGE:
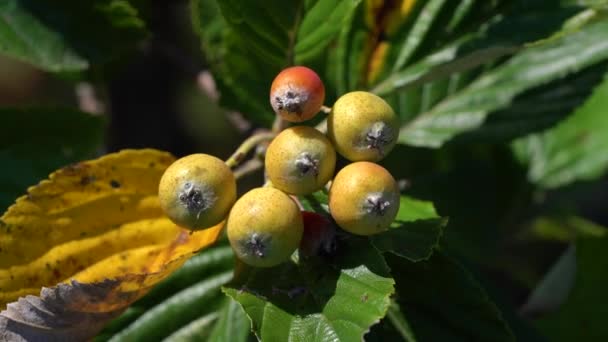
(442, 302)
(570, 151)
(535, 66)
(411, 209)
(58, 36)
(336, 299)
(36, 141)
(317, 202)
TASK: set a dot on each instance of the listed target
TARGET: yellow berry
(362, 126)
(364, 198)
(300, 160)
(197, 191)
(264, 227)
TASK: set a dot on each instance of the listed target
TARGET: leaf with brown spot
(94, 238)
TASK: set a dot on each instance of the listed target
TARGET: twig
(250, 143)
(248, 167)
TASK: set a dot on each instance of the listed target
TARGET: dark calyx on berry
(256, 245)
(378, 136)
(306, 164)
(377, 205)
(192, 197)
(291, 102)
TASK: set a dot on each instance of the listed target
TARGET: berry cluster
(265, 225)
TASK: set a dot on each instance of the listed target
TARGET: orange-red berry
(297, 94)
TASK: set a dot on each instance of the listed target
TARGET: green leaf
(255, 40)
(335, 299)
(317, 202)
(416, 232)
(418, 32)
(538, 109)
(263, 25)
(582, 316)
(58, 36)
(320, 25)
(34, 142)
(493, 40)
(207, 263)
(177, 311)
(196, 330)
(442, 302)
(392, 328)
(411, 210)
(533, 67)
(232, 325)
(211, 323)
(414, 241)
(243, 77)
(569, 152)
(555, 286)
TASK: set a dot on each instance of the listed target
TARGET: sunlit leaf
(538, 65)
(97, 224)
(570, 151)
(336, 299)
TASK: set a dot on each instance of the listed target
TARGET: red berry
(297, 94)
(319, 235)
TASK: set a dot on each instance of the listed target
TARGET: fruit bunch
(266, 225)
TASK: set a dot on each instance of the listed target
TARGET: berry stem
(322, 126)
(325, 109)
(250, 143)
(279, 124)
(248, 167)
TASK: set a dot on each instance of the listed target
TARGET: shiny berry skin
(362, 126)
(197, 191)
(364, 198)
(300, 160)
(297, 94)
(264, 227)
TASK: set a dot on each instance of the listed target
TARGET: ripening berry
(362, 126)
(197, 191)
(297, 94)
(319, 237)
(364, 198)
(300, 160)
(264, 227)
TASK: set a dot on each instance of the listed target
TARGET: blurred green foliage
(501, 155)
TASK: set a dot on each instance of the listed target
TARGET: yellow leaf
(91, 222)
